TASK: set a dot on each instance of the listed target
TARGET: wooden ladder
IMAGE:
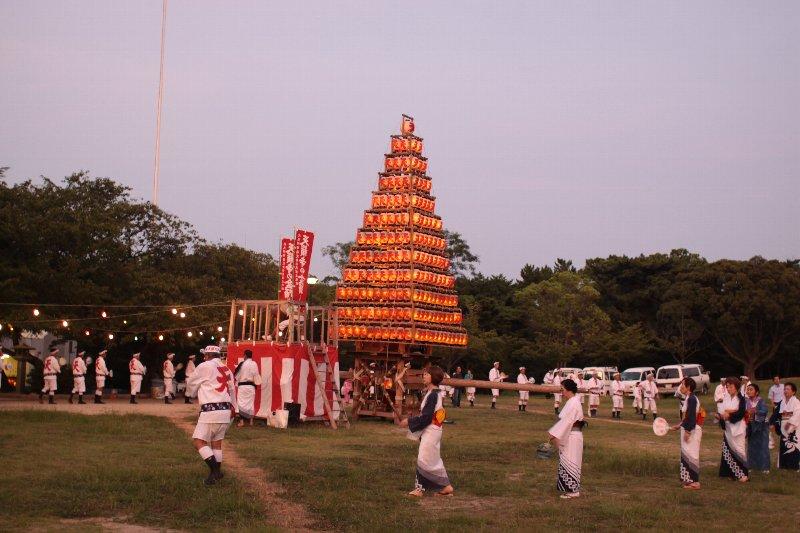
(321, 387)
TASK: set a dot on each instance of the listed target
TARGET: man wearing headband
(617, 396)
(190, 366)
(494, 375)
(100, 373)
(213, 383)
(522, 403)
(137, 370)
(51, 371)
(168, 373)
(78, 377)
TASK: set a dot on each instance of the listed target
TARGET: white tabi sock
(218, 456)
(205, 452)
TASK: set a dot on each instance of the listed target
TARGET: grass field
(357, 479)
(136, 469)
(142, 470)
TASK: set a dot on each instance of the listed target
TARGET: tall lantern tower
(396, 299)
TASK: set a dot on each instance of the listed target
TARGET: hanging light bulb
(104, 314)
(222, 339)
(35, 312)
(188, 333)
(201, 333)
(65, 323)
(136, 337)
(183, 315)
(124, 321)
(111, 336)
(174, 311)
(161, 337)
(241, 312)
(212, 337)
(219, 328)
(87, 333)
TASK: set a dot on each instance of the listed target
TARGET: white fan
(660, 426)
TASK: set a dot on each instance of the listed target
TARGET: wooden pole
(479, 384)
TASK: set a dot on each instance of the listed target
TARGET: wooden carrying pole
(478, 384)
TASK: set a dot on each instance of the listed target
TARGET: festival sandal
(416, 493)
(443, 493)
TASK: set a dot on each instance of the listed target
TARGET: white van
(565, 372)
(670, 376)
(606, 375)
(631, 376)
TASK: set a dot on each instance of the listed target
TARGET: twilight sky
(554, 129)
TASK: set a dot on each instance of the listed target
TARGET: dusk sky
(553, 129)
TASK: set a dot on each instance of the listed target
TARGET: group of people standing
(52, 368)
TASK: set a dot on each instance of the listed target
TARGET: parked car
(631, 376)
(669, 377)
(606, 375)
(566, 371)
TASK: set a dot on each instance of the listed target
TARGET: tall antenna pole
(159, 102)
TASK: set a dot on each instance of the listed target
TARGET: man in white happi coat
(579, 381)
(522, 404)
(137, 370)
(100, 374)
(637, 398)
(556, 395)
(190, 366)
(78, 377)
(214, 385)
(247, 377)
(168, 373)
(617, 396)
(51, 371)
(719, 397)
(649, 395)
(595, 386)
(496, 376)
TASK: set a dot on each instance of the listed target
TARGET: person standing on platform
(617, 396)
(78, 377)
(137, 370)
(168, 373)
(213, 383)
(522, 379)
(557, 395)
(470, 390)
(190, 366)
(456, 400)
(247, 377)
(649, 393)
(100, 374)
(789, 450)
(567, 435)
(595, 387)
(495, 376)
(51, 371)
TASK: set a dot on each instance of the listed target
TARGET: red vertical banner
(303, 244)
(287, 289)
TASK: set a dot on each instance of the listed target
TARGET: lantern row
(397, 275)
(380, 238)
(407, 144)
(406, 163)
(384, 294)
(404, 182)
(402, 200)
(399, 314)
(401, 334)
(393, 218)
(399, 256)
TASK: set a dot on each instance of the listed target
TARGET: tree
(533, 274)
(462, 260)
(339, 254)
(562, 315)
(751, 308)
